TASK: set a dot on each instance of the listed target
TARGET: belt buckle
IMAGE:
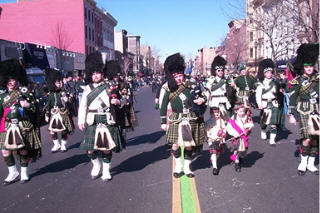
(100, 110)
(313, 100)
(14, 121)
(185, 111)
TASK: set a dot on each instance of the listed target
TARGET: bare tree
(306, 14)
(236, 46)
(61, 41)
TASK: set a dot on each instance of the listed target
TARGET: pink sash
(239, 130)
(3, 119)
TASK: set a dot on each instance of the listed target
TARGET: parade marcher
(216, 133)
(79, 88)
(19, 130)
(97, 118)
(245, 86)
(58, 109)
(238, 127)
(217, 86)
(304, 99)
(267, 94)
(185, 129)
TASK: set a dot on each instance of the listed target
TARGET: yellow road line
(196, 195)
(176, 196)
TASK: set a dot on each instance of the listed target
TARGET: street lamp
(255, 56)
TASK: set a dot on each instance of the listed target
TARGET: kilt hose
(118, 135)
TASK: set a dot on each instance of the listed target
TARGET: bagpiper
(245, 86)
(304, 99)
(19, 132)
(58, 111)
(267, 94)
(184, 129)
(239, 126)
(97, 117)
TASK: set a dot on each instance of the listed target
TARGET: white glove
(164, 127)
(46, 118)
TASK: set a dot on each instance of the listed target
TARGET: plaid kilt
(197, 129)
(276, 115)
(67, 121)
(118, 135)
(31, 140)
(303, 126)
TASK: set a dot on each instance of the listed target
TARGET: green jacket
(304, 94)
(243, 81)
(177, 104)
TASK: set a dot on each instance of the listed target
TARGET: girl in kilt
(97, 117)
(19, 133)
(185, 129)
(238, 127)
(58, 110)
(267, 93)
(304, 101)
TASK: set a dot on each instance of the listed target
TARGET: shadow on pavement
(251, 158)
(61, 165)
(147, 138)
(283, 134)
(142, 160)
(76, 145)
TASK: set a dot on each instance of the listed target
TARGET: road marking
(184, 194)
(176, 195)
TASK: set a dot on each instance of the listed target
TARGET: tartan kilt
(198, 134)
(30, 137)
(303, 124)
(118, 135)
(67, 121)
(276, 115)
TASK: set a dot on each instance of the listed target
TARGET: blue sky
(171, 25)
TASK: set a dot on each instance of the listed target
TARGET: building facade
(76, 26)
(134, 48)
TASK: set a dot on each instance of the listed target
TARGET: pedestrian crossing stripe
(184, 194)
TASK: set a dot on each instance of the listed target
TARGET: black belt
(218, 96)
(268, 99)
(98, 110)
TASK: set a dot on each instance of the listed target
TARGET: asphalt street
(142, 176)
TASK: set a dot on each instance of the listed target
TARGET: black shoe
(177, 175)
(237, 167)
(215, 171)
(315, 173)
(24, 181)
(273, 145)
(301, 172)
(95, 177)
(6, 183)
(190, 175)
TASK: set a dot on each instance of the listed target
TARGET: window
(89, 15)
(251, 36)
(89, 33)
(92, 34)
(86, 32)
(85, 13)
(92, 17)
(251, 52)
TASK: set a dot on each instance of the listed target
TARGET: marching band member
(304, 99)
